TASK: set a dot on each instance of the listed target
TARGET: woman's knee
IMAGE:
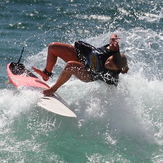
(61, 46)
(52, 45)
(77, 69)
(72, 66)
(69, 65)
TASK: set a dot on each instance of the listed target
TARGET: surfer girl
(85, 62)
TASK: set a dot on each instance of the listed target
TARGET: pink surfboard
(20, 76)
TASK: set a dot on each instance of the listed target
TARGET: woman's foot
(41, 73)
(8, 81)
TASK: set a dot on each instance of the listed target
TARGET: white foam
(134, 107)
(14, 102)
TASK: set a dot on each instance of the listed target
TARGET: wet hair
(120, 60)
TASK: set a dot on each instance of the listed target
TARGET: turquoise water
(113, 125)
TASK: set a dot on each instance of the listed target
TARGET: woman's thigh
(78, 70)
(64, 51)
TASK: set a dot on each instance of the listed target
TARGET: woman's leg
(64, 51)
(55, 49)
(72, 68)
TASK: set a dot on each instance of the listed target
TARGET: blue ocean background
(113, 125)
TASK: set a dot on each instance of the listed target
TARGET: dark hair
(120, 60)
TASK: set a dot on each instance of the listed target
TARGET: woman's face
(109, 64)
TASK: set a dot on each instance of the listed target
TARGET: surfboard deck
(19, 76)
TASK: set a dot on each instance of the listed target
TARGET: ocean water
(113, 125)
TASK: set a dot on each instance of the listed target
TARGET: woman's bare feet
(8, 81)
(41, 73)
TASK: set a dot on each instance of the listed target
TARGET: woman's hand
(125, 70)
(114, 42)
